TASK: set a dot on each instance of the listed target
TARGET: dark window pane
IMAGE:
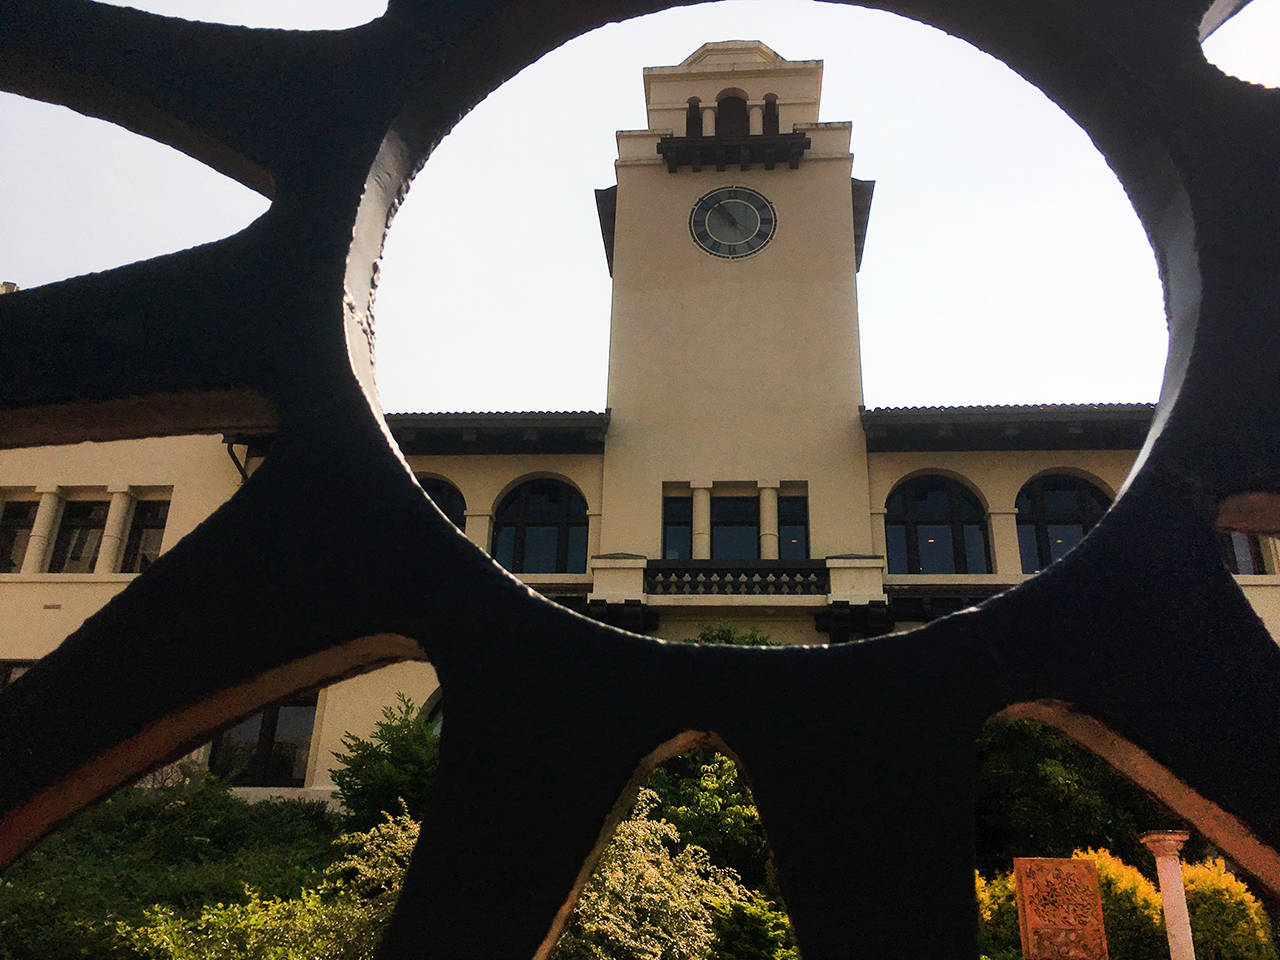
(975, 549)
(895, 537)
(75, 549)
(677, 510)
(540, 545)
(933, 502)
(731, 117)
(937, 554)
(677, 542)
(448, 498)
(895, 503)
(735, 542)
(1027, 547)
(288, 763)
(793, 542)
(1241, 552)
(1060, 502)
(268, 749)
(146, 532)
(504, 546)
(735, 510)
(576, 558)
(233, 750)
(16, 520)
(542, 504)
(1062, 537)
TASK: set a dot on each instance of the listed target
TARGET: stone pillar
(113, 532)
(755, 119)
(593, 536)
(768, 518)
(1167, 845)
(42, 529)
(1006, 559)
(701, 549)
(708, 121)
(479, 528)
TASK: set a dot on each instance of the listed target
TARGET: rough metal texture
(331, 561)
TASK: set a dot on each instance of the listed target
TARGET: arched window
(448, 498)
(934, 525)
(770, 113)
(1054, 514)
(1241, 552)
(541, 527)
(693, 118)
(731, 117)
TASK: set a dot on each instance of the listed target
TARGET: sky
(1003, 262)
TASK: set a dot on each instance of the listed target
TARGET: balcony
(740, 578)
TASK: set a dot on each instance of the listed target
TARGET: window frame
(512, 513)
(133, 556)
(783, 501)
(69, 524)
(11, 530)
(1229, 550)
(257, 769)
(1088, 498)
(910, 520)
(669, 503)
(721, 524)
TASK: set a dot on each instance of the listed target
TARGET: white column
(755, 119)
(1006, 558)
(701, 548)
(479, 528)
(42, 529)
(708, 121)
(1167, 845)
(113, 532)
(768, 518)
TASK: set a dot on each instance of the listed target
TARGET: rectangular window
(735, 528)
(793, 528)
(16, 520)
(75, 550)
(677, 528)
(1241, 552)
(268, 749)
(145, 533)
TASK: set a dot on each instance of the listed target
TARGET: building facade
(734, 477)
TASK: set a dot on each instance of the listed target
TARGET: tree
(1038, 794)
(396, 763)
(1227, 921)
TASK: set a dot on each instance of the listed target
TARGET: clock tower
(733, 238)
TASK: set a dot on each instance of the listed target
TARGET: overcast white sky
(1003, 262)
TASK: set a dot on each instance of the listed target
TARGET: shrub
(179, 845)
(645, 903)
(342, 919)
(1227, 921)
(396, 763)
(1131, 909)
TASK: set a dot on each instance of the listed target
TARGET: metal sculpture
(331, 561)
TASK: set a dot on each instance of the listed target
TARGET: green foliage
(727, 634)
(178, 845)
(1227, 921)
(396, 763)
(752, 929)
(342, 919)
(703, 796)
(645, 903)
(1039, 795)
(998, 937)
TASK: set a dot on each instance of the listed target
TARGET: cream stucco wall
(735, 371)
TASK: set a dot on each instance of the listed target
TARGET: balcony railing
(769, 578)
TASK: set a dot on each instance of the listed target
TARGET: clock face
(732, 222)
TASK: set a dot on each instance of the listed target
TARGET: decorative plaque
(1059, 909)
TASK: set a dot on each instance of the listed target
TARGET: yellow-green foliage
(1131, 909)
(997, 917)
(342, 919)
(1227, 921)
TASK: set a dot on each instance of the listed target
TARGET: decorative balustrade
(776, 578)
